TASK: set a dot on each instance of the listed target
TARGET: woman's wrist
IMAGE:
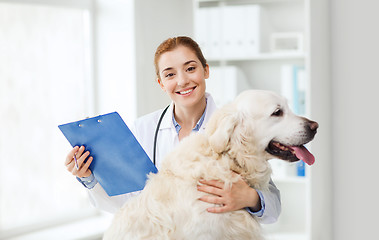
(254, 200)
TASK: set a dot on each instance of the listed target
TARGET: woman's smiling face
(182, 76)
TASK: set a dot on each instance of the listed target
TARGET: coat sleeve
(272, 203)
(100, 199)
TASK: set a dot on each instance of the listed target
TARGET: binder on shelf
(294, 88)
(226, 83)
(233, 21)
(232, 31)
(300, 168)
(242, 28)
(202, 30)
(119, 163)
(257, 29)
(214, 32)
(208, 31)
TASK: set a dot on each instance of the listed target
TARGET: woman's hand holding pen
(75, 162)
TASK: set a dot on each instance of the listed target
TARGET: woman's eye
(277, 113)
(169, 75)
(190, 69)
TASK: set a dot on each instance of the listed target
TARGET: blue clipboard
(119, 163)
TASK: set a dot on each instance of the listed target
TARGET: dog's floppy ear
(220, 129)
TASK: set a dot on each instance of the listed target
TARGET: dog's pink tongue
(303, 154)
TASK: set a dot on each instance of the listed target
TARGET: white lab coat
(144, 130)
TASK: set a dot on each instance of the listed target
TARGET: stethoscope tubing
(156, 132)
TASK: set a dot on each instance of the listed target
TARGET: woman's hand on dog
(81, 157)
(239, 196)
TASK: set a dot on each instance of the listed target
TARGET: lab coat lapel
(211, 107)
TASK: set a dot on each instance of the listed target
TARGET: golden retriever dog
(240, 137)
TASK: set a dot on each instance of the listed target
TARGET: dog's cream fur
(235, 139)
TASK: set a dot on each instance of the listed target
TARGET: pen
(76, 162)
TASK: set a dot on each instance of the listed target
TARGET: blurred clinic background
(64, 60)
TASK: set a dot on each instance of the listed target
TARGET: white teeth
(282, 147)
(185, 92)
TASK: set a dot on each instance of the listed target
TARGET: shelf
(287, 236)
(263, 56)
(246, 1)
(289, 179)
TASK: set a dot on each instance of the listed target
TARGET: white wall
(355, 84)
(127, 33)
(115, 60)
(321, 111)
(156, 21)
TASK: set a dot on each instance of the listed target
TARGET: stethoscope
(156, 132)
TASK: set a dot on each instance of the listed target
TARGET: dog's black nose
(313, 125)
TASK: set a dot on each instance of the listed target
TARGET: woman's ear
(206, 72)
(161, 84)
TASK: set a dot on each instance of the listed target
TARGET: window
(45, 80)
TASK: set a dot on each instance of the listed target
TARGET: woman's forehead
(177, 57)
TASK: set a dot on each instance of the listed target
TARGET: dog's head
(261, 123)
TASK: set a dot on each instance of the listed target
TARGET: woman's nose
(182, 79)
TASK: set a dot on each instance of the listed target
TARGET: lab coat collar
(167, 119)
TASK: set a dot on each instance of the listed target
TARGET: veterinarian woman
(181, 71)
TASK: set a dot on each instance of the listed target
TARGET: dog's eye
(278, 113)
